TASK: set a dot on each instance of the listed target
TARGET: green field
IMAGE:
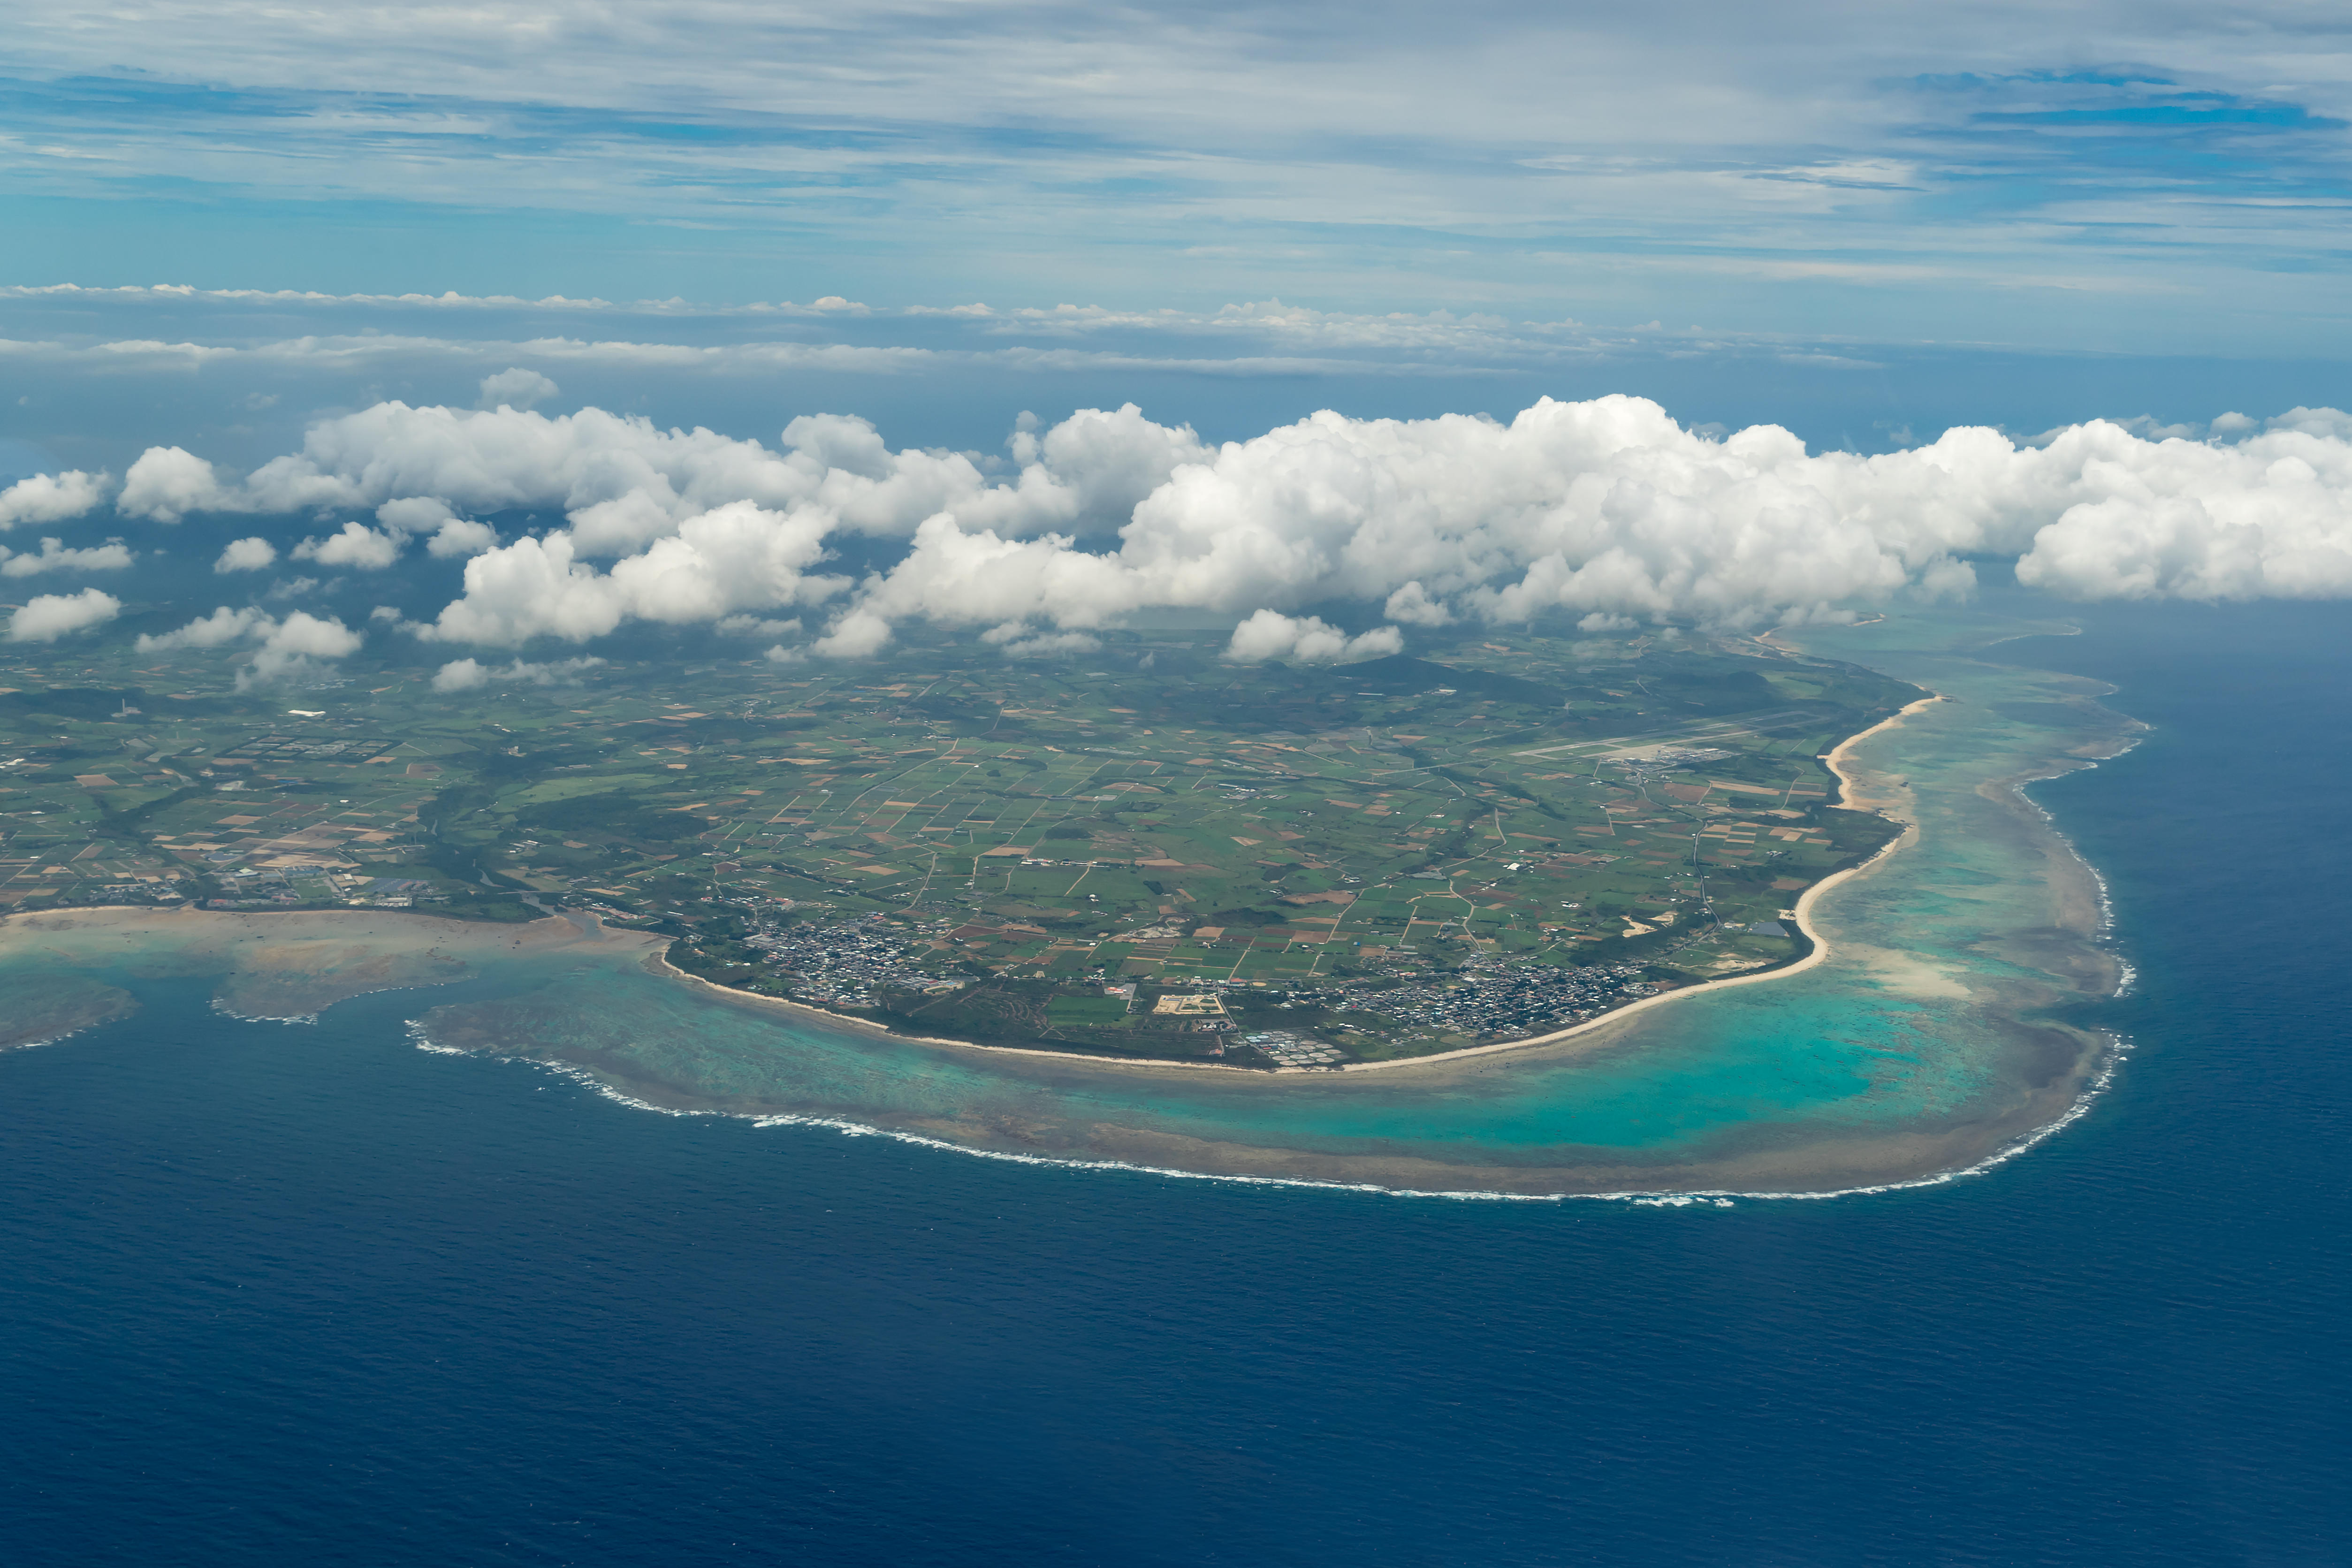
(1541, 826)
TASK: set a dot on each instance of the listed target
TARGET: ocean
(307, 1294)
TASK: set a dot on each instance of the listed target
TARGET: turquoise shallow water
(1929, 1038)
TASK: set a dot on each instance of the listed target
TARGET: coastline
(1818, 954)
(1077, 1117)
(657, 961)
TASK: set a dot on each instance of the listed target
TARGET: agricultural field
(1143, 851)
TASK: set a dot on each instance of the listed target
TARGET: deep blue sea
(308, 1295)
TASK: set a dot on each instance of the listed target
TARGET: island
(1146, 852)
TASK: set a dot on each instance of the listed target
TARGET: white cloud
(464, 674)
(462, 536)
(1018, 639)
(1310, 641)
(1609, 508)
(224, 625)
(2269, 517)
(49, 616)
(51, 498)
(356, 545)
(289, 648)
(452, 535)
(311, 636)
(253, 554)
(111, 556)
(515, 387)
(624, 483)
(169, 482)
(414, 514)
(1413, 606)
(731, 559)
(859, 634)
(1606, 513)
(1046, 645)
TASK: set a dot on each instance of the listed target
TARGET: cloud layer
(1605, 511)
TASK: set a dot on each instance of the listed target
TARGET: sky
(2117, 177)
(229, 227)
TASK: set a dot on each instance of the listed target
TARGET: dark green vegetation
(1385, 858)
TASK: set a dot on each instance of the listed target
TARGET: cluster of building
(1493, 998)
(845, 965)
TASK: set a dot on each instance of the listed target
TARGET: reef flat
(69, 969)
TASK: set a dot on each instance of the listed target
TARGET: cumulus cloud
(51, 498)
(224, 625)
(515, 387)
(1308, 640)
(1048, 645)
(731, 559)
(452, 535)
(1413, 606)
(859, 634)
(622, 483)
(169, 482)
(464, 674)
(1605, 512)
(289, 649)
(111, 556)
(462, 536)
(356, 545)
(1107, 462)
(1018, 639)
(254, 554)
(1610, 509)
(49, 616)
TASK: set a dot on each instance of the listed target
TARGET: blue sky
(1865, 221)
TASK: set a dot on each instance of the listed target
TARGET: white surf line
(1645, 1197)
